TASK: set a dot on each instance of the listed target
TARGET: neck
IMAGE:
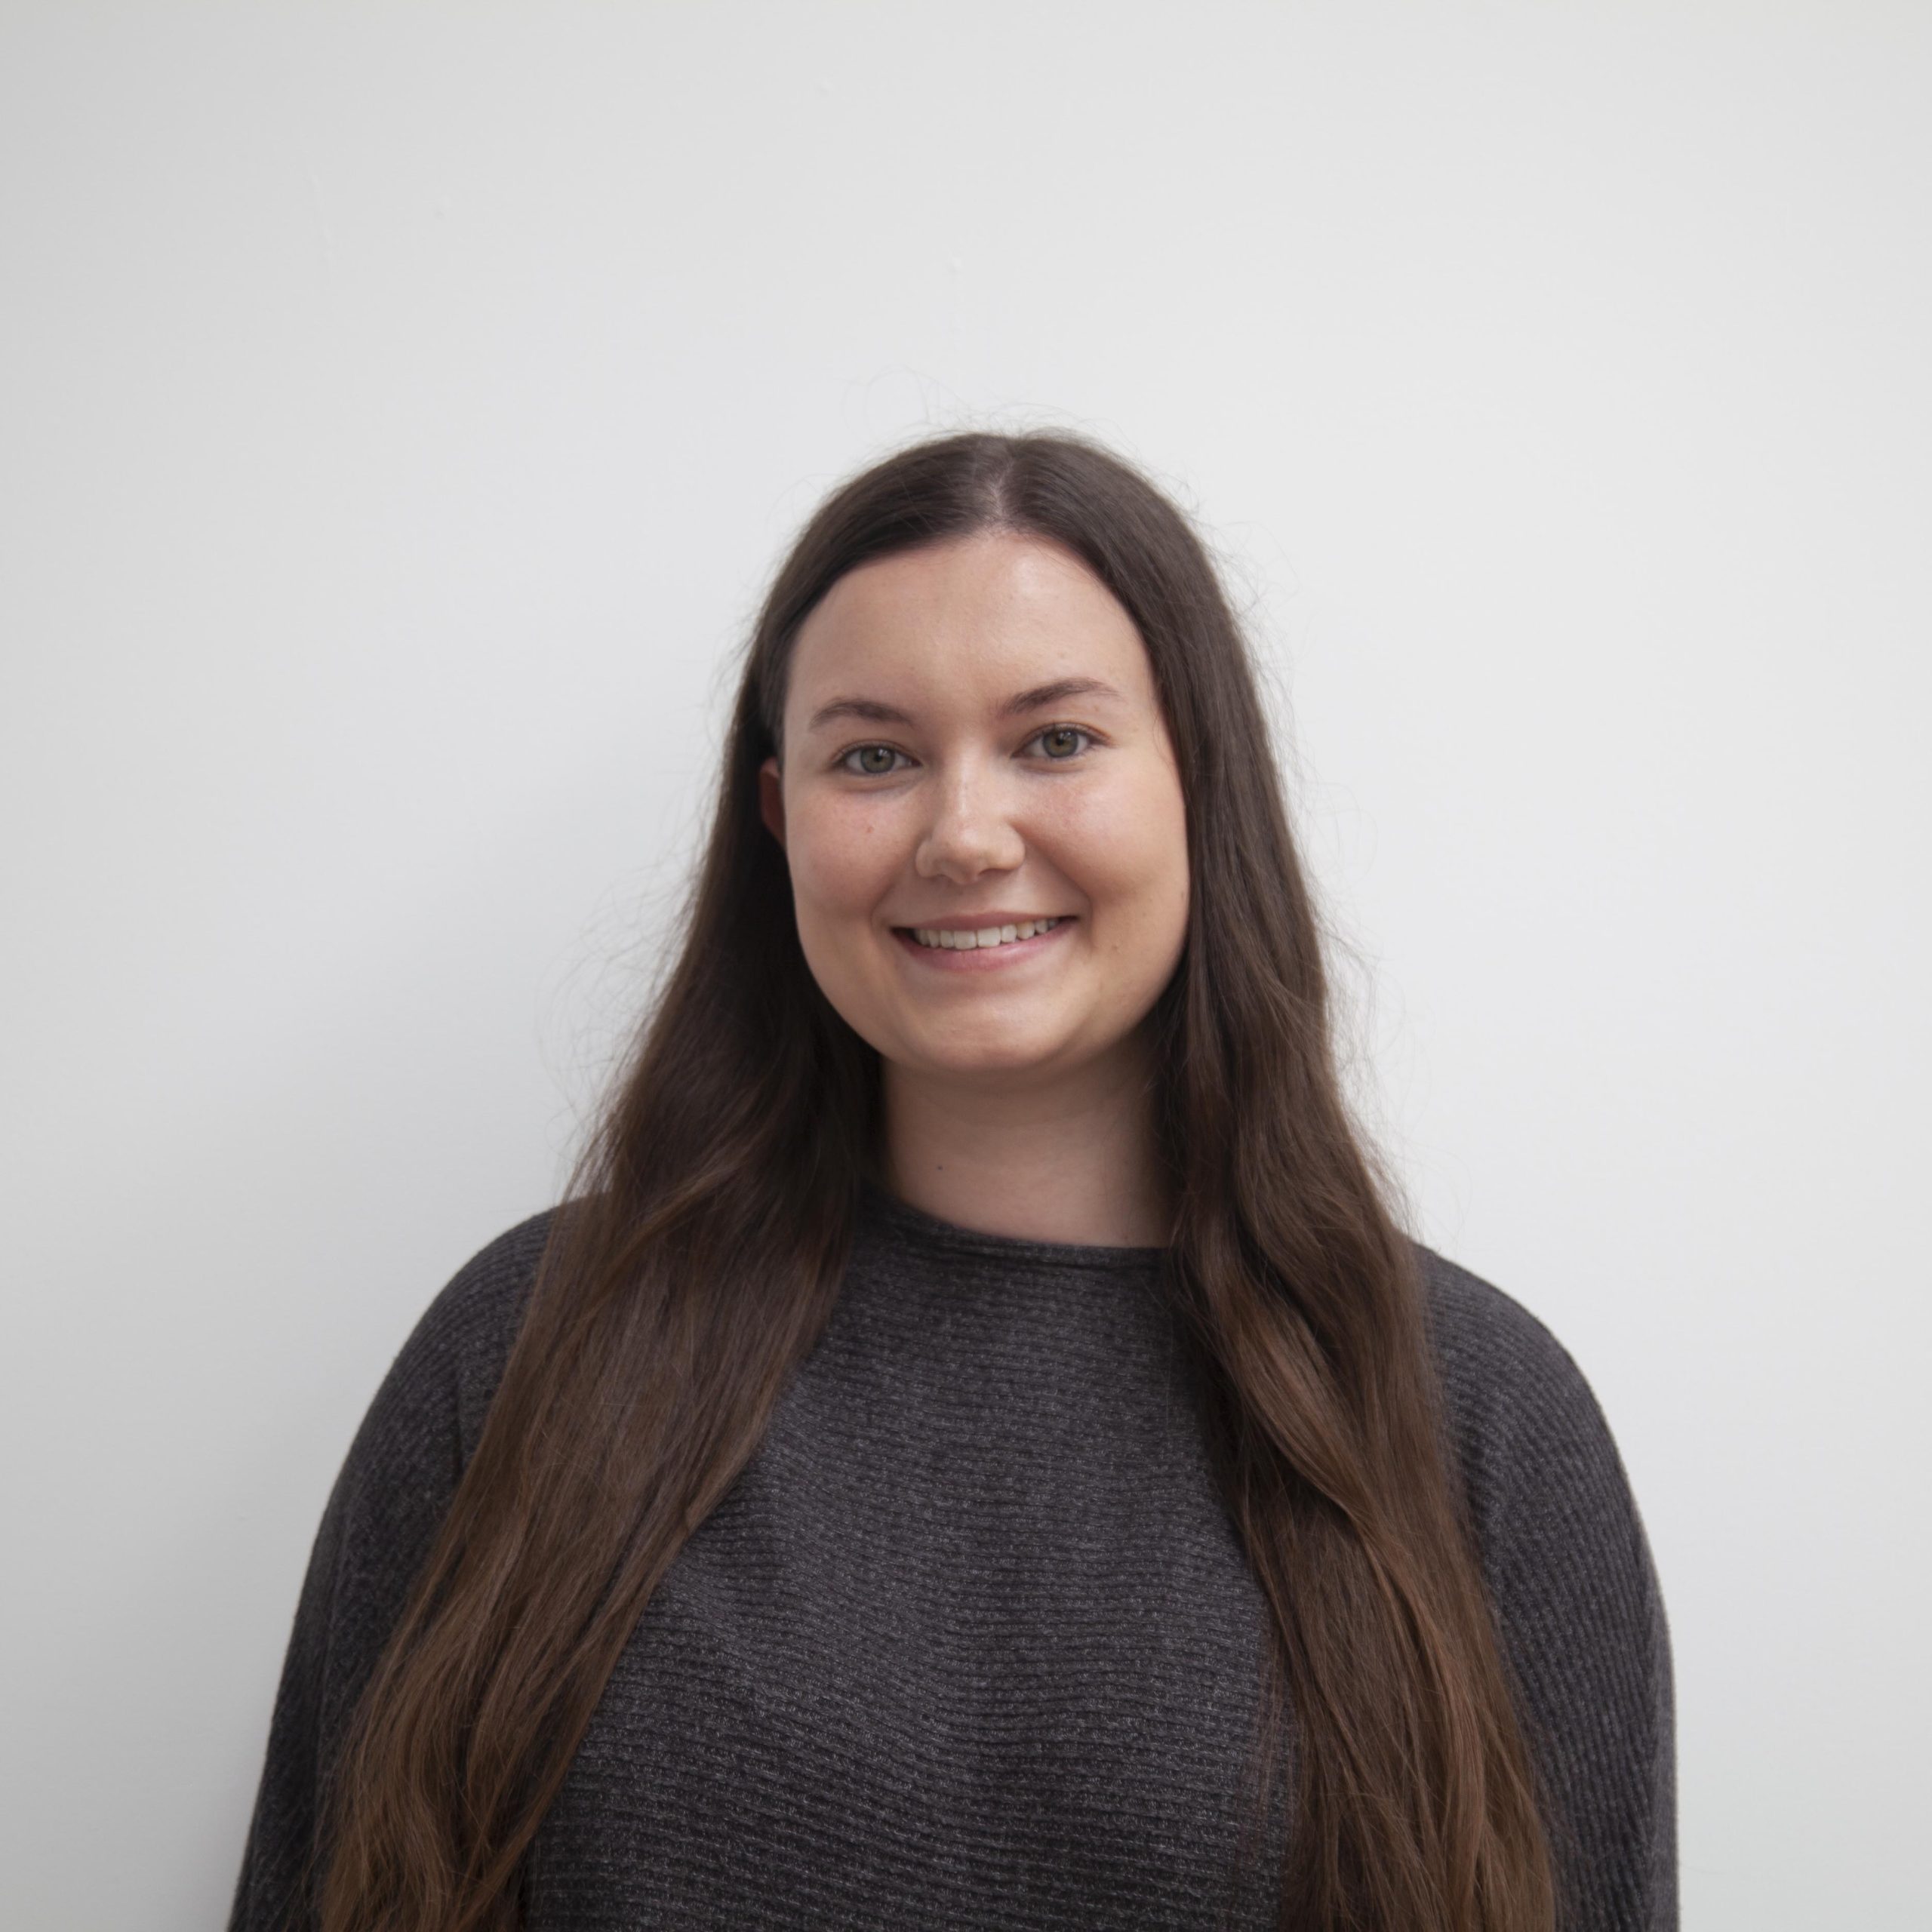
(1070, 1159)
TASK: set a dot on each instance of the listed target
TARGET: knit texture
(972, 1642)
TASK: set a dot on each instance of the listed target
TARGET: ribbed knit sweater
(972, 1642)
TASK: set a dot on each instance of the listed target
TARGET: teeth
(965, 939)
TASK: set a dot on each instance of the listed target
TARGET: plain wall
(400, 409)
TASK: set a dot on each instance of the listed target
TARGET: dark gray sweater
(973, 1642)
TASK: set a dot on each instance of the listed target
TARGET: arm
(380, 1520)
(1578, 1601)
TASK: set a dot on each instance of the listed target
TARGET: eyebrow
(1036, 697)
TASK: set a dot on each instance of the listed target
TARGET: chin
(963, 1058)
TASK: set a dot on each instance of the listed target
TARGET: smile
(967, 938)
(977, 948)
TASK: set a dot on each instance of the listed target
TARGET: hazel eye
(1059, 734)
(865, 754)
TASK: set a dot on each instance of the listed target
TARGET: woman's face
(972, 743)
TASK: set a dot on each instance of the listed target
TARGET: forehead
(964, 620)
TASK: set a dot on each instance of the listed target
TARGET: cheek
(842, 857)
(1127, 853)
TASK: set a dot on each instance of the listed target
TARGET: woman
(974, 1447)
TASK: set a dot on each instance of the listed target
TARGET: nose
(971, 830)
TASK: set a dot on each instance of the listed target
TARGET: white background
(400, 409)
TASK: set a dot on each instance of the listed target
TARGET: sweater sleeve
(381, 1518)
(1578, 1604)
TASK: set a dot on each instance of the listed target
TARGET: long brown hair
(697, 1256)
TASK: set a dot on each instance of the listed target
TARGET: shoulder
(429, 1409)
(1570, 1573)
(419, 1431)
(1549, 1498)
(1479, 1330)
(463, 1337)
(485, 1295)
(1558, 1531)
(382, 1516)
(1516, 1402)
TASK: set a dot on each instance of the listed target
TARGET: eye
(867, 767)
(1059, 734)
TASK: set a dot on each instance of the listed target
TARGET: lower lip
(980, 958)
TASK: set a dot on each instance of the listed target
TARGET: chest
(989, 1664)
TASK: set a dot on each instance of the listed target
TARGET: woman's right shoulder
(390, 1497)
(440, 1384)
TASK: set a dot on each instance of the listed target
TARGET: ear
(771, 799)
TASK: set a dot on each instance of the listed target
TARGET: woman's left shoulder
(1569, 1569)
(1535, 1448)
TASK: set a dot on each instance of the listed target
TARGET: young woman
(974, 1447)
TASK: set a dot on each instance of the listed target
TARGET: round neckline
(931, 1230)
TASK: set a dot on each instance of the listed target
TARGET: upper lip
(972, 922)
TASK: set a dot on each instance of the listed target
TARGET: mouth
(980, 948)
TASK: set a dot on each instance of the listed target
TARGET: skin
(1016, 1099)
